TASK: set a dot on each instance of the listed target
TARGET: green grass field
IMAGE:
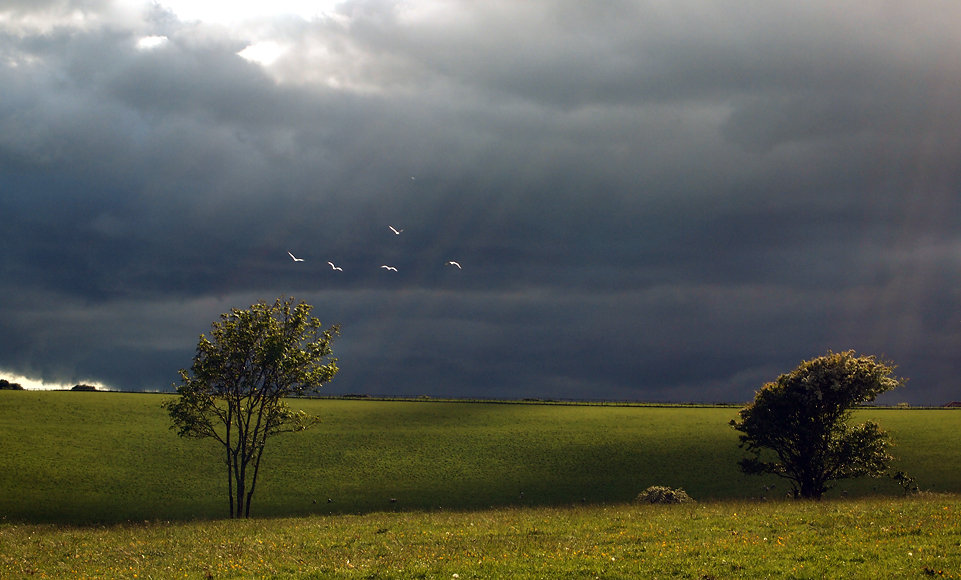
(70, 457)
(96, 486)
(867, 538)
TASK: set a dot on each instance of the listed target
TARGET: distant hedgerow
(663, 494)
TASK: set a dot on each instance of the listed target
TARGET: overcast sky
(650, 200)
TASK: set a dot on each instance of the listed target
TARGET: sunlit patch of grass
(866, 538)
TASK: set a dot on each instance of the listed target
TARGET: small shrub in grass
(907, 483)
(663, 494)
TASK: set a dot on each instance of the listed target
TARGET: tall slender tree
(799, 428)
(235, 390)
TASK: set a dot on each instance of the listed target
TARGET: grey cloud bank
(653, 201)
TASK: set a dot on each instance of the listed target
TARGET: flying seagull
(454, 264)
(335, 267)
(389, 267)
(395, 231)
(296, 259)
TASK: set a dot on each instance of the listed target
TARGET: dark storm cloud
(650, 201)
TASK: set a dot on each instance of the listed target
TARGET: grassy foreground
(875, 538)
(105, 458)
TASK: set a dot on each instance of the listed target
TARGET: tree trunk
(253, 481)
(230, 481)
(239, 483)
(812, 490)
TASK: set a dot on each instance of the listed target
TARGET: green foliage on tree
(240, 376)
(6, 385)
(798, 427)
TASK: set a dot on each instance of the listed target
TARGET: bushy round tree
(799, 426)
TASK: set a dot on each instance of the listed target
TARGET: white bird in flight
(395, 231)
(454, 264)
(389, 267)
(296, 259)
(335, 267)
